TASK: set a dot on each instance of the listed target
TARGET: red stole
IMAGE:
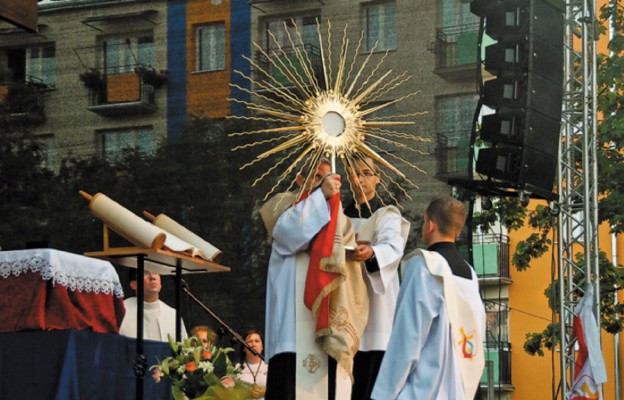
(317, 280)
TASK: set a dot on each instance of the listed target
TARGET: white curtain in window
(145, 50)
(455, 117)
(41, 65)
(211, 47)
(115, 142)
(457, 12)
(381, 26)
(118, 56)
(282, 27)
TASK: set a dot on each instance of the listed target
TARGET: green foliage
(611, 279)
(535, 342)
(611, 128)
(24, 187)
(507, 210)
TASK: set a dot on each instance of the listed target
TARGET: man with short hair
(381, 236)
(436, 347)
(158, 317)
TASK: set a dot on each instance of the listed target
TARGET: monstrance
(332, 114)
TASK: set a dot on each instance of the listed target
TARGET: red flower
(206, 354)
(191, 366)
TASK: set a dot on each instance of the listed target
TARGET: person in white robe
(381, 236)
(289, 327)
(159, 319)
(436, 347)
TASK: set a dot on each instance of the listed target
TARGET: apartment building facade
(100, 76)
(103, 75)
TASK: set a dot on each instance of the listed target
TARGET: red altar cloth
(47, 289)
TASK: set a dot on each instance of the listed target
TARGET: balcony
(23, 101)
(273, 71)
(490, 255)
(123, 93)
(455, 49)
(499, 360)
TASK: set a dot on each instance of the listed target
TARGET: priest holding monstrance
(317, 302)
(316, 298)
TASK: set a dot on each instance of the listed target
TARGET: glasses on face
(365, 174)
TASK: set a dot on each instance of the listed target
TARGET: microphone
(184, 284)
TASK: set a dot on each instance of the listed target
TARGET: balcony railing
(490, 255)
(23, 101)
(455, 49)
(499, 359)
(120, 94)
(275, 69)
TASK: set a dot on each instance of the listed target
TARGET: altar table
(47, 289)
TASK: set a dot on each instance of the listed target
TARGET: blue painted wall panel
(176, 62)
(241, 45)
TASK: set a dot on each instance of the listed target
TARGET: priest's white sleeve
(417, 308)
(298, 225)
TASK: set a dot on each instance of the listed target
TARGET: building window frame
(210, 45)
(114, 142)
(380, 26)
(497, 325)
(123, 53)
(305, 24)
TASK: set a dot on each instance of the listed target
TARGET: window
(33, 64)
(49, 152)
(497, 323)
(456, 13)
(381, 26)
(115, 142)
(281, 28)
(210, 42)
(454, 125)
(455, 117)
(124, 54)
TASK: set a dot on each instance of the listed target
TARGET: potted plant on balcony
(152, 77)
(92, 79)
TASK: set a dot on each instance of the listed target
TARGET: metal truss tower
(578, 178)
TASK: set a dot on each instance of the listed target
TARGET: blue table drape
(76, 365)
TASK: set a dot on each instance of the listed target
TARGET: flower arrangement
(201, 373)
(152, 77)
(92, 79)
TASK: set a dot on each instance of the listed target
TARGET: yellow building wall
(529, 313)
(207, 92)
(532, 376)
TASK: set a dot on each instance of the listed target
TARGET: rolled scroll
(127, 224)
(206, 250)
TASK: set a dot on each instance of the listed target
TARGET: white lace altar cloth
(72, 271)
(47, 289)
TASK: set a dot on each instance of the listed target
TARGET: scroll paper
(205, 249)
(126, 223)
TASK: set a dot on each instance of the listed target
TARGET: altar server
(158, 317)
(381, 236)
(436, 347)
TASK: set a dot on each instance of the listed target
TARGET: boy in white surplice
(381, 236)
(436, 347)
